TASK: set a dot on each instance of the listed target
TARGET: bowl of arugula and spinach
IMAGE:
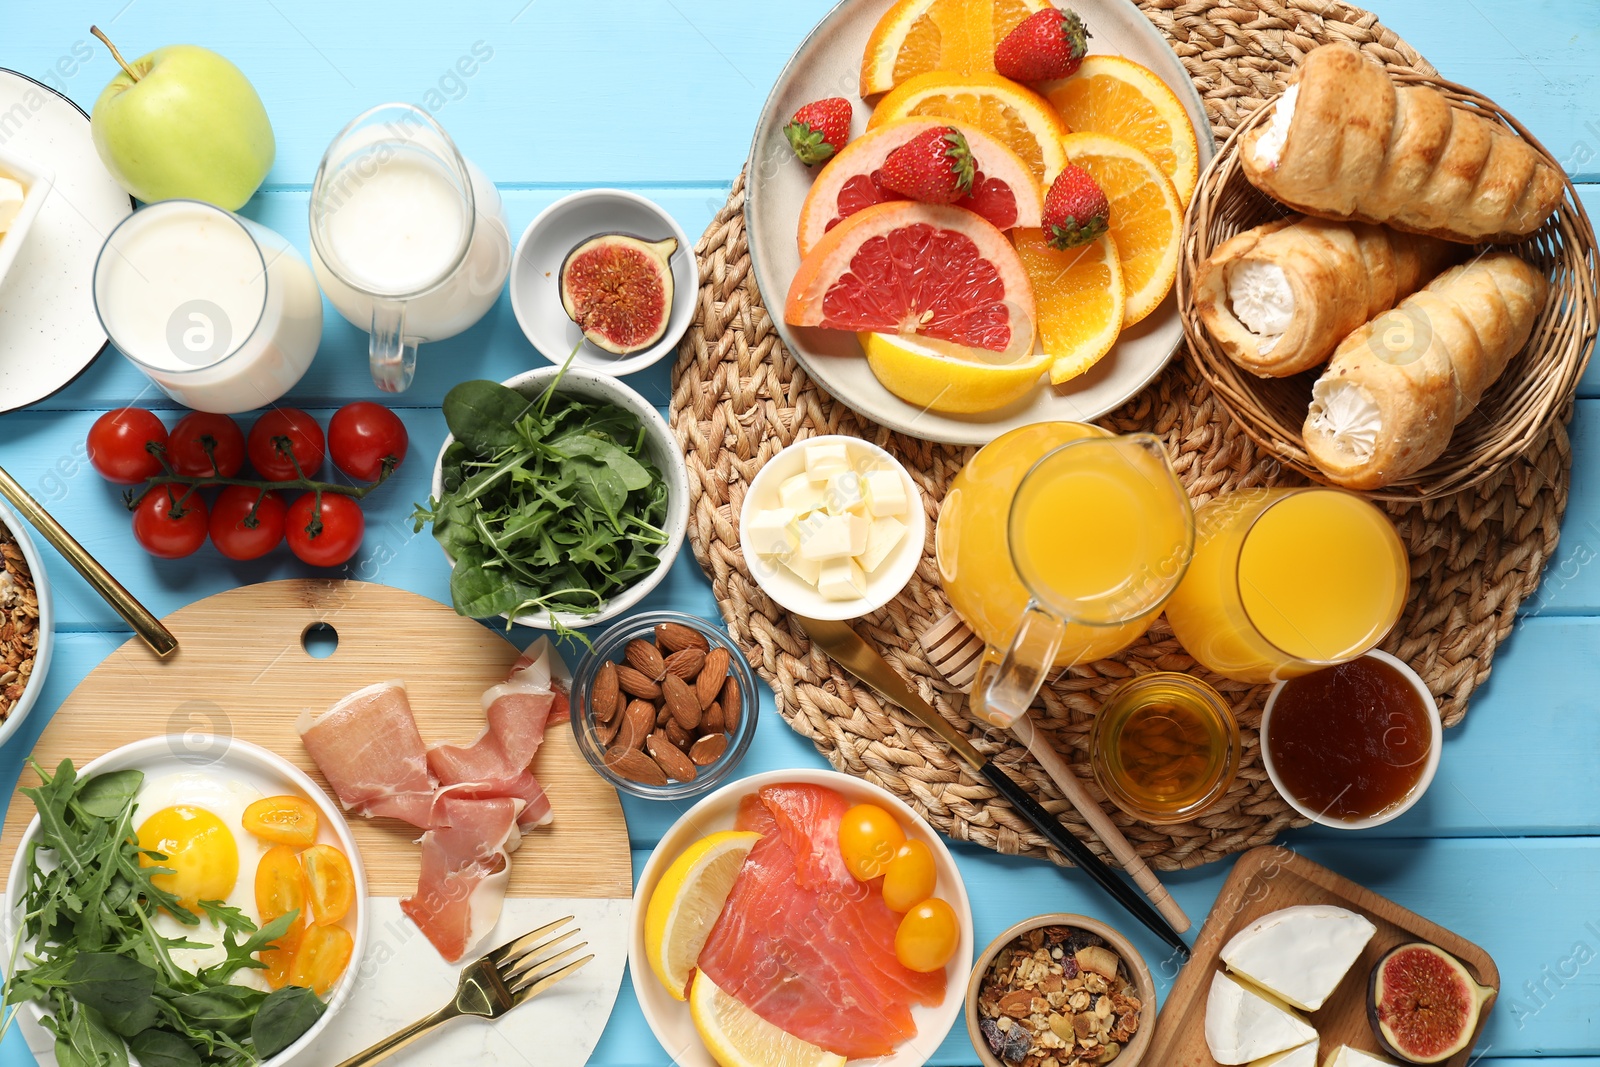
(560, 498)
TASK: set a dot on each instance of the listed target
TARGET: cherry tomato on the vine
(868, 838)
(928, 936)
(231, 523)
(163, 528)
(117, 445)
(186, 446)
(329, 537)
(305, 439)
(362, 435)
(910, 877)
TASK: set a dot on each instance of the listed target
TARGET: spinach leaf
(105, 795)
(482, 415)
(110, 983)
(84, 1040)
(284, 1016)
(229, 1008)
(163, 1048)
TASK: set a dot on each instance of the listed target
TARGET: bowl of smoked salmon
(800, 916)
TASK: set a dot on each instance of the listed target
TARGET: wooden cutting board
(1273, 877)
(243, 670)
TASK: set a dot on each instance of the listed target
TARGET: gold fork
(492, 985)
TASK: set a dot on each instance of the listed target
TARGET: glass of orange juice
(1288, 581)
(1058, 543)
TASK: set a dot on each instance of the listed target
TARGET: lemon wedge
(738, 1037)
(936, 376)
(687, 901)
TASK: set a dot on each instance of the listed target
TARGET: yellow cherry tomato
(285, 820)
(330, 883)
(322, 956)
(280, 889)
(909, 878)
(868, 839)
(928, 936)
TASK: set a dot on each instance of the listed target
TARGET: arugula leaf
(163, 1048)
(284, 1016)
(84, 1040)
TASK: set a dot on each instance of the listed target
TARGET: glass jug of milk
(408, 239)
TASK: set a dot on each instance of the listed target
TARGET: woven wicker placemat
(739, 397)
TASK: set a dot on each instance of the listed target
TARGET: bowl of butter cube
(832, 527)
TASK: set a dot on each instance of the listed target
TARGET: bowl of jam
(1352, 746)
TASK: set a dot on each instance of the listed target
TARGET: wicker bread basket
(1536, 387)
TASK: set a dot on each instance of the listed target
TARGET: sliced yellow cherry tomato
(281, 889)
(909, 878)
(928, 936)
(323, 955)
(330, 883)
(868, 839)
(285, 820)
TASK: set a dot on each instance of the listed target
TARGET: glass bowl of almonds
(1061, 991)
(664, 705)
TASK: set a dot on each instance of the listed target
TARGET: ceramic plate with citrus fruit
(919, 269)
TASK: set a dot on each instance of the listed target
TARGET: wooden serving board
(1273, 877)
(243, 670)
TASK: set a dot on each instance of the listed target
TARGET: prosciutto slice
(466, 866)
(368, 747)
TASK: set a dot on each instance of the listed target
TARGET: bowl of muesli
(26, 624)
(1061, 991)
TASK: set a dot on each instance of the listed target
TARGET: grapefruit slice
(903, 267)
(1003, 188)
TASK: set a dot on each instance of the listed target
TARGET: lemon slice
(938, 376)
(687, 901)
(738, 1037)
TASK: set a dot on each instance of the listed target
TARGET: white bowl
(1435, 743)
(669, 1019)
(37, 182)
(884, 584)
(47, 633)
(273, 775)
(536, 275)
(660, 445)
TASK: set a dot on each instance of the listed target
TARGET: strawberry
(1075, 209)
(1047, 44)
(819, 129)
(934, 167)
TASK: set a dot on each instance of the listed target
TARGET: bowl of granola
(26, 625)
(1061, 989)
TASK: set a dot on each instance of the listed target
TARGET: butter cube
(807, 570)
(883, 536)
(800, 496)
(842, 579)
(824, 459)
(824, 537)
(11, 197)
(772, 533)
(886, 493)
(846, 493)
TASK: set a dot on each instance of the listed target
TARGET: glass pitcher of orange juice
(1058, 543)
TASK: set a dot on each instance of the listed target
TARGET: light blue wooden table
(660, 96)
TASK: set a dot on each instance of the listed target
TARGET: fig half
(1422, 1003)
(618, 289)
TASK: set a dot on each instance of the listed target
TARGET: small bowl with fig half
(664, 705)
(1086, 982)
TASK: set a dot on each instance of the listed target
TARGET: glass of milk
(219, 311)
(408, 239)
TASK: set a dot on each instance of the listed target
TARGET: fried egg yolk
(199, 849)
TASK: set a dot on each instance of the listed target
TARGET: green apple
(183, 122)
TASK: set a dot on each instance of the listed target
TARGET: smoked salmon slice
(802, 943)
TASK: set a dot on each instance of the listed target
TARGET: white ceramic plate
(536, 275)
(49, 333)
(828, 63)
(234, 760)
(47, 623)
(669, 1019)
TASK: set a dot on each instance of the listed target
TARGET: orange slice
(932, 270)
(1003, 189)
(1146, 218)
(949, 378)
(916, 36)
(1078, 293)
(1116, 96)
(1015, 116)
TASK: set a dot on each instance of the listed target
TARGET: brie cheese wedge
(1299, 955)
(1304, 1056)
(1345, 1056)
(1243, 1024)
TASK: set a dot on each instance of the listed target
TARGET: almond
(645, 658)
(606, 732)
(677, 637)
(637, 722)
(686, 663)
(670, 758)
(732, 704)
(677, 735)
(603, 697)
(711, 676)
(637, 684)
(681, 702)
(635, 766)
(713, 722)
(708, 749)
(663, 714)
(621, 702)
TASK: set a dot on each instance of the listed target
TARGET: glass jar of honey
(1165, 747)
